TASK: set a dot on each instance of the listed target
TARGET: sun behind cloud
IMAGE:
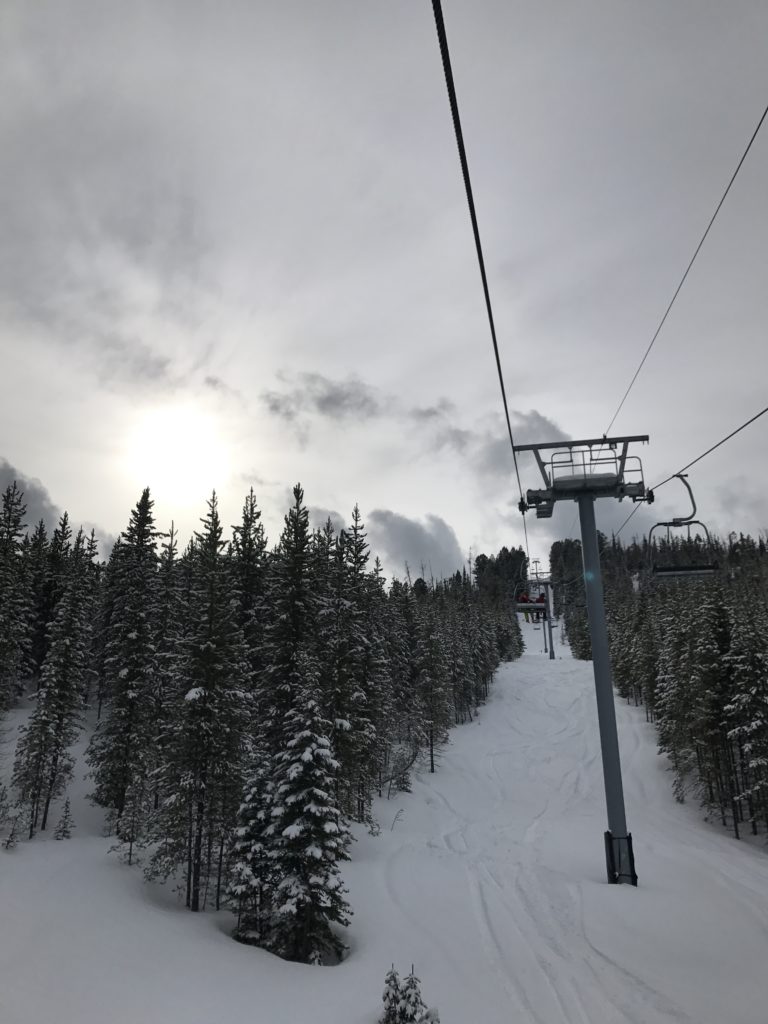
(179, 451)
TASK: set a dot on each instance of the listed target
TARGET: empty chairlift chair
(682, 563)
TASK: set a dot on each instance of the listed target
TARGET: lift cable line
(698, 458)
(687, 271)
(446, 57)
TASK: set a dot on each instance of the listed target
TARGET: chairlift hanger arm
(680, 520)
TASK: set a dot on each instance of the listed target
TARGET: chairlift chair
(682, 569)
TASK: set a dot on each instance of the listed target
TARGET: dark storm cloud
(308, 393)
(403, 542)
(36, 497)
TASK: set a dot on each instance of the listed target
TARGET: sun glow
(178, 452)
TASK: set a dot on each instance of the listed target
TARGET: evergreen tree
(38, 570)
(746, 714)
(391, 997)
(43, 764)
(433, 682)
(12, 839)
(292, 627)
(14, 597)
(59, 554)
(65, 825)
(306, 836)
(249, 544)
(202, 777)
(122, 751)
(412, 1006)
(4, 804)
(343, 659)
(251, 875)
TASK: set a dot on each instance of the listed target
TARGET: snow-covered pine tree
(342, 656)
(108, 588)
(130, 826)
(412, 1006)
(746, 714)
(204, 759)
(38, 571)
(122, 752)
(378, 677)
(306, 836)
(391, 997)
(251, 878)
(59, 554)
(710, 686)
(433, 682)
(11, 840)
(14, 597)
(366, 652)
(43, 763)
(65, 824)
(4, 804)
(458, 667)
(291, 629)
(249, 544)
(168, 628)
(674, 699)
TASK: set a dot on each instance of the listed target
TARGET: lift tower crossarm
(605, 442)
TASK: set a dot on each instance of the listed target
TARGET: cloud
(443, 408)
(318, 517)
(312, 393)
(488, 451)
(41, 506)
(36, 497)
(220, 387)
(402, 541)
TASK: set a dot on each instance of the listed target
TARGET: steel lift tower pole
(577, 473)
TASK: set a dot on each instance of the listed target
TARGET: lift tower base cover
(575, 473)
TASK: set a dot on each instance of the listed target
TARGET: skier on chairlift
(524, 599)
(541, 613)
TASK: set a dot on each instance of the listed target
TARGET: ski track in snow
(491, 881)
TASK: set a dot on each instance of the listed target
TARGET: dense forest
(694, 652)
(242, 705)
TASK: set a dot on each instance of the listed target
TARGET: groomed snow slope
(491, 882)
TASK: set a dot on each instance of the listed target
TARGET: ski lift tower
(582, 471)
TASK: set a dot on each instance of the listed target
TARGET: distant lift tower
(581, 471)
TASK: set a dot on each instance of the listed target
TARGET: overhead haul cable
(687, 271)
(446, 57)
(698, 458)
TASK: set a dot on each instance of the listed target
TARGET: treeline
(695, 654)
(246, 703)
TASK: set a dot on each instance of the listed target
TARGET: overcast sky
(235, 251)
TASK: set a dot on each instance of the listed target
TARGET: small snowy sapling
(65, 824)
(391, 997)
(13, 836)
(411, 1006)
